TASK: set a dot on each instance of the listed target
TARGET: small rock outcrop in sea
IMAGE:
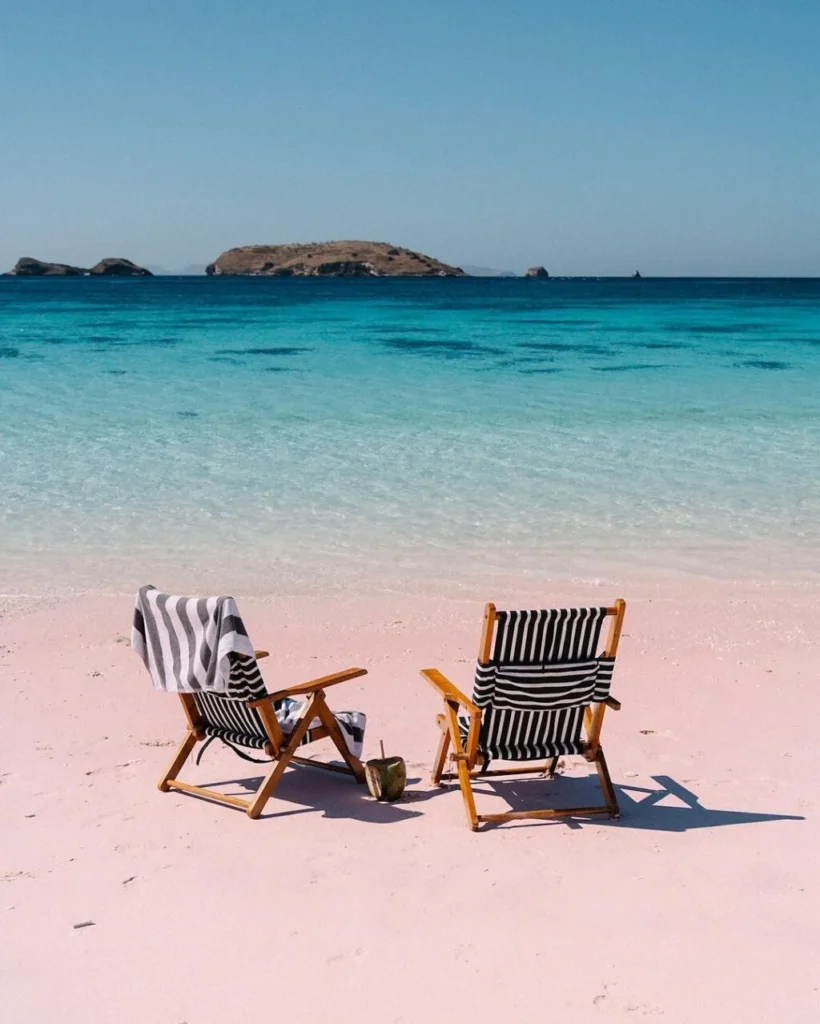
(537, 272)
(116, 266)
(330, 259)
(27, 266)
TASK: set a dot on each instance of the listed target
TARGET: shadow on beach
(670, 808)
(314, 791)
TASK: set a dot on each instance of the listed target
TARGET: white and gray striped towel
(186, 643)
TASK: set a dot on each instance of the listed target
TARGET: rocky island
(116, 266)
(27, 266)
(112, 266)
(330, 259)
(537, 272)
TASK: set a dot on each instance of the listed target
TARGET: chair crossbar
(209, 794)
(548, 812)
(311, 762)
(478, 773)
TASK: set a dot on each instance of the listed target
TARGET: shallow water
(288, 435)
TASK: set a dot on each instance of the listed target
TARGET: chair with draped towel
(541, 691)
(199, 649)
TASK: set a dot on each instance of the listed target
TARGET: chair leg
(465, 782)
(553, 765)
(329, 722)
(271, 780)
(606, 785)
(181, 756)
(441, 753)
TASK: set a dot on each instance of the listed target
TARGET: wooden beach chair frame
(279, 747)
(467, 755)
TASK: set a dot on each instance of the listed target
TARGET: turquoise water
(298, 435)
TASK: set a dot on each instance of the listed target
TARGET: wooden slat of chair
(311, 762)
(478, 773)
(463, 770)
(272, 726)
(594, 720)
(448, 690)
(546, 812)
(271, 780)
(303, 689)
(605, 782)
(441, 753)
(615, 627)
(487, 630)
(335, 733)
(211, 794)
(452, 695)
(180, 757)
(191, 711)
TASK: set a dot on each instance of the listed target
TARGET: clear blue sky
(594, 136)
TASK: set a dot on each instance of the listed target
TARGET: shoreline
(691, 586)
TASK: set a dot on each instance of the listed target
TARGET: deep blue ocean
(271, 435)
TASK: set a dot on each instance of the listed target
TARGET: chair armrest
(315, 684)
(448, 691)
(261, 654)
(612, 703)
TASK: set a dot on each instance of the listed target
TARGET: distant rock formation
(636, 276)
(27, 266)
(110, 267)
(116, 266)
(330, 259)
(537, 272)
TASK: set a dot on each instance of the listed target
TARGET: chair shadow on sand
(317, 792)
(670, 808)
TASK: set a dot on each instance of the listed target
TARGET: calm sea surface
(264, 435)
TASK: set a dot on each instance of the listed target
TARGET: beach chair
(541, 691)
(245, 715)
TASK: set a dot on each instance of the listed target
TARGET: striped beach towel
(199, 645)
(543, 672)
(195, 644)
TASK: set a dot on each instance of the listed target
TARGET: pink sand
(701, 904)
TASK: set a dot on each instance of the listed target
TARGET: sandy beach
(699, 904)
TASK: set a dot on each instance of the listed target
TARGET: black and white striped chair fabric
(228, 716)
(543, 672)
